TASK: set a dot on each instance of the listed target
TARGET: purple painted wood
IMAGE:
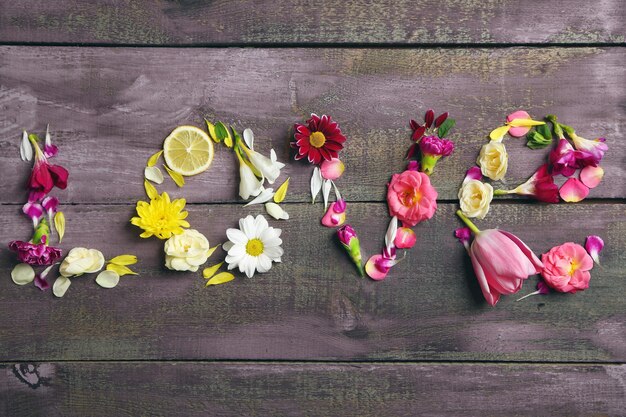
(313, 306)
(161, 22)
(111, 108)
(231, 389)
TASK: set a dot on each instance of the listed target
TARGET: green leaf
(221, 132)
(33, 137)
(445, 127)
(536, 140)
(544, 130)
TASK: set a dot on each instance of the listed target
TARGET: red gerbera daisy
(320, 138)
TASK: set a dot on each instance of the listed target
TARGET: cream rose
(493, 160)
(187, 251)
(81, 261)
(475, 197)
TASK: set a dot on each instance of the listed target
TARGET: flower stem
(468, 222)
(503, 192)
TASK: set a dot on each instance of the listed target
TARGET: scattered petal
(517, 131)
(59, 224)
(464, 234)
(498, 134)
(23, 274)
(26, 149)
(152, 161)
(326, 192)
(153, 174)
(151, 190)
(211, 129)
(266, 195)
(373, 271)
(573, 191)
(594, 245)
(316, 183)
(276, 211)
(106, 279)
(281, 193)
(220, 278)
(248, 138)
(392, 230)
(591, 176)
(333, 169)
(405, 238)
(210, 271)
(60, 286)
(474, 173)
(124, 260)
(176, 177)
(120, 270)
(211, 250)
(227, 246)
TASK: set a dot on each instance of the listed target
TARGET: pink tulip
(501, 261)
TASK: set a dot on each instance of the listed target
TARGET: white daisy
(254, 246)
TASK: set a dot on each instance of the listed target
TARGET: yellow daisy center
(254, 247)
(317, 139)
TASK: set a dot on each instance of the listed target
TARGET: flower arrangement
(43, 211)
(189, 151)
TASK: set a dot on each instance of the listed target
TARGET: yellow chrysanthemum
(161, 217)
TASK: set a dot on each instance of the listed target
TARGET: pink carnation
(566, 267)
(32, 254)
(411, 197)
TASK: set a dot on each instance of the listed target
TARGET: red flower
(32, 254)
(46, 176)
(319, 139)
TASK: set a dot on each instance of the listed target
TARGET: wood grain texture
(162, 22)
(262, 389)
(313, 306)
(110, 109)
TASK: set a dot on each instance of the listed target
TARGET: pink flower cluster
(429, 140)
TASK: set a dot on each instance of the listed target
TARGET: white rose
(475, 197)
(81, 261)
(493, 160)
(187, 251)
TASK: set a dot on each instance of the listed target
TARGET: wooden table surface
(114, 77)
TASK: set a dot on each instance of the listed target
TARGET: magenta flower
(49, 150)
(336, 214)
(541, 186)
(432, 149)
(501, 261)
(565, 160)
(34, 211)
(595, 147)
(349, 240)
(593, 246)
(44, 175)
(35, 254)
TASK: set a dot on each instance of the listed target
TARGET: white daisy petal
(265, 263)
(260, 223)
(248, 227)
(227, 245)
(236, 236)
(273, 252)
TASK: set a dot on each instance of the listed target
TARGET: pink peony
(566, 267)
(411, 197)
(32, 254)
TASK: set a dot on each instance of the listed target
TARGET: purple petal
(594, 245)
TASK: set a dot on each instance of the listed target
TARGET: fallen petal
(594, 245)
(221, 278)
(316, 184)
(405, 238)
(591, 176)
(372, 270)
(60, 286)
(392, 230)
(176, 177)
(573, 191)
(326, 192)
(266, 195)
(120, 270)
(59, 224)
(23, 274)
(498, 134)
(281, 192)
(151, 190)
(276, 211)
(248, 138)
(153, 174)
(124, 260)
(106, 279)
(152, 161)
(211, 270)
(26, 149)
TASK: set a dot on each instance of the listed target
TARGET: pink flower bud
(405, 238)
(333, 169)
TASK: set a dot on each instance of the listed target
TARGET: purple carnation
(32, 254)
(434, 145)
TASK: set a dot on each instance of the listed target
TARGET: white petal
(249, 184)
(273, 252)
(337, 193)
(236, 236)
(316, 183)
(248, 227)
(23, 274)
(276, 211)
(266, 195)
(60, 286)
(107, 279)
(269, 169)
(261, 224)
(26, 148)
(237, 250)
(227, 245)
(265, 263)
(153, 174)
(248, 138)
(326, 192)
(251, 266)
(392, 230)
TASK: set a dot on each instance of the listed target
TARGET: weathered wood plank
(262, 389)
(110, 108)
(160, 22)
(313, 305)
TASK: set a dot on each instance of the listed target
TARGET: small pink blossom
(405, 238)
(432, 149)
(566, 268)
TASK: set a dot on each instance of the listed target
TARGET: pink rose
(566, 267)
(411, 197)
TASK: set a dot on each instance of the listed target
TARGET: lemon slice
(188, 150)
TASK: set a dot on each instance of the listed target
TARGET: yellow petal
(228, 140)
(525, 123)
(151, 190)
(210, 271)
(281, 193)
(211, 128)
(124, 260)
(498, 133)
(120, 269)
(221, 278)
(210, 252)
(59, 224)
(154, 158)
(176, 177)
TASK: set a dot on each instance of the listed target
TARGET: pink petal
(372, 271)
(490, 295)
(525, 250)
(573, 191)
(594, 245)
(405, 238)
(518, 132)
(474, 173)
(591, 176)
